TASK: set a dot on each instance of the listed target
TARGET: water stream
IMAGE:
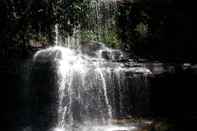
(93, 86)
(86, 84)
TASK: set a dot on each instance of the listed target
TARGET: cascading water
(86, 84)
(92, 83)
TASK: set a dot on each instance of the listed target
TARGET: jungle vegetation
(155, 29)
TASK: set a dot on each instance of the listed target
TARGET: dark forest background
(168, 26)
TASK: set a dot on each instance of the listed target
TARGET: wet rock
(90, 47)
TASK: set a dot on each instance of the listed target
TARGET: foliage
(169, 29)
(22, 20)
(29, 20)
(130, 17)
(69, 14)
(148, 28)
(109, 38)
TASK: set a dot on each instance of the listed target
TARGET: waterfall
(86, 84)
(92, 84)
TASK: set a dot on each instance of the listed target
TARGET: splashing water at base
(100, 128)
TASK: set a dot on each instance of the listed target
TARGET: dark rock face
(44, 94)
(47, 57)
(90, 47)
(15, 105)
(173, 97)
